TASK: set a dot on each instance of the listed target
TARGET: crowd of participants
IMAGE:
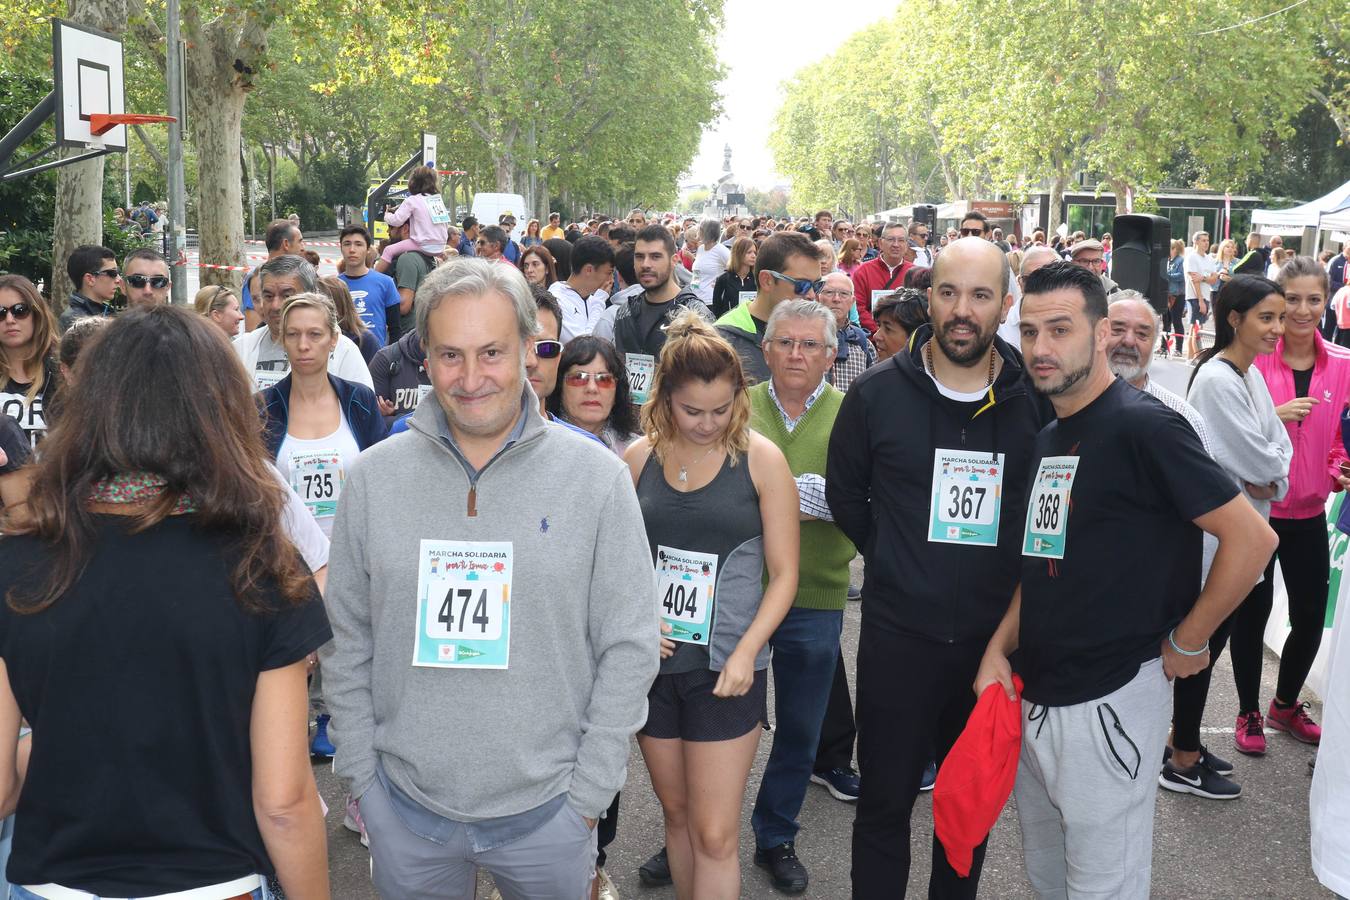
(615, 474)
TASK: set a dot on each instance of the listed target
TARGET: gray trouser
(554, 862)
(1087, 780)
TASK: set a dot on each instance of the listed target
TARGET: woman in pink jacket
(1309, 380)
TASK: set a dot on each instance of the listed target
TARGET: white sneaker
(607, 889)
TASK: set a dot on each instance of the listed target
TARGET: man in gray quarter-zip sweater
(494, 618)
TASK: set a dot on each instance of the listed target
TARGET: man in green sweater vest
(796, 409)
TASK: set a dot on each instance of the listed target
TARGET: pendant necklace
(684, 470)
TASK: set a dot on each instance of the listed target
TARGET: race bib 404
(1047, 530)
(463, 605)
(685, 581)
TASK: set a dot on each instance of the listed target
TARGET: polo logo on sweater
(1326, 395)
(543, 525)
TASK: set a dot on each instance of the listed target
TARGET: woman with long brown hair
(28, 337)
(720, 507)
(538, 266)
(151, 596)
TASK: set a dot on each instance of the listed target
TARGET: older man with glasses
(883, 274)
(1090, 254)
(796, 409)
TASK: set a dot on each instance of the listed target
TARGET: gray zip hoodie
(584, 635)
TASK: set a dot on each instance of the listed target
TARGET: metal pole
(175, 230)
(126, 173)
(252, 190)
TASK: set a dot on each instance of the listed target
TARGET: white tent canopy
(1329, 213)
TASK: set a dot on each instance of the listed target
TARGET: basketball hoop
(101, 123)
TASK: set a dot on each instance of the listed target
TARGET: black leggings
(1305, 562)
(1174, 322)
(1189, 694)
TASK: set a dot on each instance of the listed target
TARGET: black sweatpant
(914, 697)
(838, 731)
(1305, 562)
(605, 830)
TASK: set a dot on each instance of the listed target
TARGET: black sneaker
(1199, 780)
(1207, 759)
(655, 872)
(787, 871)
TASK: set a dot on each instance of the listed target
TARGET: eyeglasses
(157, 282)
(921, 235)
(835, 292)
(603, 380)
(972, 232)
(19, 311)
(548, 349)
(107, 273)
(800, 286)
(893, 238)
(810, 345)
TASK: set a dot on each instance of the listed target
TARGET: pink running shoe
(353, 821)
(1295, 721)
(1249, 735)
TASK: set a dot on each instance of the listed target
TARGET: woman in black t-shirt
(153, 604)
(27, 342)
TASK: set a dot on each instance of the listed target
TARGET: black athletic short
(683, 706)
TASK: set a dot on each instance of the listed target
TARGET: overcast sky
(761, 44)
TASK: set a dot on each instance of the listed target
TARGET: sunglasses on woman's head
(19, 311)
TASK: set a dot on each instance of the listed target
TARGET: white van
(489, 208)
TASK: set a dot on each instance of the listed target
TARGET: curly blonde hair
(695, 351)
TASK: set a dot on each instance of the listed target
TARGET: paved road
(1254, 847)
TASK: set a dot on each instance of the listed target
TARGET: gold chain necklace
(932, 370)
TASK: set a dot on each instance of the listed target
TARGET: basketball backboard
(88, 79)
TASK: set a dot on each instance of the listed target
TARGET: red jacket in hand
(977, 776)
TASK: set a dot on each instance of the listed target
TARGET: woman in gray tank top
(720, 508)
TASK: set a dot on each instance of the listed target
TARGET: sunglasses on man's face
(108, 273)
(548, 349)
(140, 281)
(972, 232)
(19, 311)
(800, 286)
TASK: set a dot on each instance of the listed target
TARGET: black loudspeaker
(927, 214)
(1141, 245)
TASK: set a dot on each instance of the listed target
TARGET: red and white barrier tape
(307, 243)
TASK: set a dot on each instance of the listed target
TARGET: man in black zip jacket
(927, 475)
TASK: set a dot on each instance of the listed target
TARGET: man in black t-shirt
(1117, 477)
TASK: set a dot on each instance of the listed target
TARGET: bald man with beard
(927, 473)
